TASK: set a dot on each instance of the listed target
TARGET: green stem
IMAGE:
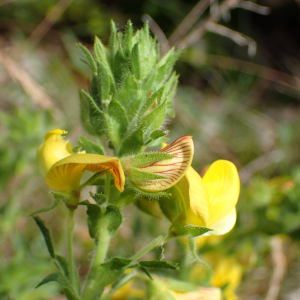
(159, 241)
(70, 247)
(101, 247)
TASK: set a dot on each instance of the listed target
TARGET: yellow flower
(152, 172)
(63, 169)
(211, 201)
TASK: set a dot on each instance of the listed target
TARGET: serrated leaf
(100, 199)
(46, 234)
(117, 122)
(146, 159)
(133, 144)
(91, 62)
(94, 215)
(91, 147)
(159, 264)
(113, 218)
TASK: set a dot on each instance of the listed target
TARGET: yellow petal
(223, 186)
(53, 149)
(65, 175)
(173, 169)
(203, 293)
(224, 225)
(199, 213)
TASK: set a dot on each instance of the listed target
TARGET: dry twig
(280, 263)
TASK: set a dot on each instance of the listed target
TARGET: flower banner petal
(223, 186)
(172, 169)
(65, 175)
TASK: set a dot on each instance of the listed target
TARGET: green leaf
(105, 81)
(157, 134)
(64, 282)
(117, 122)
(45, 209)
(111, 271)
(135, 62)
(152, 101)
(170, 109)
(146, 272)
(100, 199)
(85, 114)
(113, 218)
(94, 215)
(100, 52)
(120, 67)
(91, 147)
(128, 39)
(157, 142)
(92, 179)
(128, 96)
(195, 231)
(146, 159)
(113, 42)
(150, 207)
(138, 175)
(159, 264)
(95, 91)
(132, 144)
(91, 62)
(45, 231)
(153, 120)
(97, 117)
(63, 265)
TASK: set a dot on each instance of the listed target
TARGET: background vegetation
(240, 107)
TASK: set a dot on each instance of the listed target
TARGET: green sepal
(132, 144)
(63, 282)
(138, 175)
(113, 218)
(117, 122)
(91, 63)
(111, 271)
(94, 214)
(100, 199)
(146, 159)
(159, 264)
(148, 206)
(90, 147)
(46, 234)
(172, 206)
(150, 195)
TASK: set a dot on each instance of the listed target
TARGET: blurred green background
(240, 107)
